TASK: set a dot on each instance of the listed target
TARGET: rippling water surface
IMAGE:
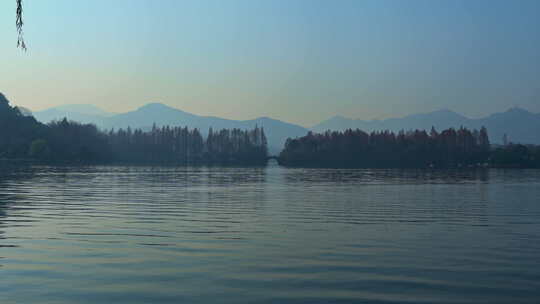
(268, 235)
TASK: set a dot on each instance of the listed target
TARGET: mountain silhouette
(161, 115)
(519, 124)
(84, 113)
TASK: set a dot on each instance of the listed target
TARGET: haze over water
(268, 235)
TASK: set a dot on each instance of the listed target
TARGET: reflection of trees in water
(155, 183)
(9, 174)
(220, 176)
(388, 176)
(187, 176)
(401, 197)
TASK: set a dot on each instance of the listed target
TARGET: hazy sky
(299, 61)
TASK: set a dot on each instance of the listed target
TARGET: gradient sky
(299, 61)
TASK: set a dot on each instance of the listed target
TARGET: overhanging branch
(19, 24)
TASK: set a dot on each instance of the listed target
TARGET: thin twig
(19, 24)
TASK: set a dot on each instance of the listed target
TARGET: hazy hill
(144, 117)
(84, 113)
(520, 125)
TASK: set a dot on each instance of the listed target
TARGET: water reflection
(386, 176)
(244, 235)
(10, 173)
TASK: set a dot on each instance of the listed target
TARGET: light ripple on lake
(268, 235)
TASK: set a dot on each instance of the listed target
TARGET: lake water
(268, 235)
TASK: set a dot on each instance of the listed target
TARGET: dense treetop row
(24, 138)
(355, 148)
(412, 149)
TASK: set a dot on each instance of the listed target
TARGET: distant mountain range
(84, 113)
(520, 125)
(144, 117)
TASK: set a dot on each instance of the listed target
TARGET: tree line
(23, 137)
(183, 145)
(411, 149)
(515, 156)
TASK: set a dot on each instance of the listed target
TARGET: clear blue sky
(299, 61)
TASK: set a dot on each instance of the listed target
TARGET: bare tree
(19, 24)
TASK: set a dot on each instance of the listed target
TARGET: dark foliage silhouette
(17, 131)
(355, 148)
(23, 137)
(516, 156)
(79, 142)
(413, 149)
(182, 145)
